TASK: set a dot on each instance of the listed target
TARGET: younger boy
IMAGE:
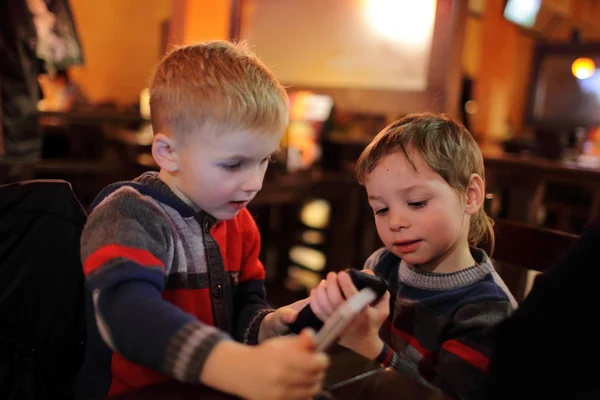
(424, 178)
(171, 258)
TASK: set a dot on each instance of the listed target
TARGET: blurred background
(522, 75)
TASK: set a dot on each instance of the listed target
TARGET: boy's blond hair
(216, 85)
(447, 147)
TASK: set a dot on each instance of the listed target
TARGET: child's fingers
(302, 362)
(323, 299)
(315, 306)
(333, 290)
(307, 364)
(305, 340)
(304, 370)
(346, 284)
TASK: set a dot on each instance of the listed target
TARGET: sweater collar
(161, 191)
(417, 277)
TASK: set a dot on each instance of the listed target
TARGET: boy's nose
(397, 222)
(254, 184)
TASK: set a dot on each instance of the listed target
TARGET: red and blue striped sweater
(440, 328)
(166, 284)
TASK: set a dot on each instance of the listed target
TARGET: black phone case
(306, 317)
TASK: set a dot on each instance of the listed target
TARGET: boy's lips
(407, 246)
(238, 205)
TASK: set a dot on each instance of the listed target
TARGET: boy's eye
(232, 167)
(418, 204)
(381, 211)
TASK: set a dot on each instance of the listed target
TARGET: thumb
(299, 305)
(306, 339)
(288, 314)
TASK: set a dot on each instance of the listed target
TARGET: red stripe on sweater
(467, 353)
(407, 338)
(108, 252)
(127, 376)
(388, 357)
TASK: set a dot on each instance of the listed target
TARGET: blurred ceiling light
(299, 278)
(316, 214)
(406, 21)
(523, 12)
(583, 68)
(591, 85)
(145, 103)
(471, 107)
(313, 237)
(310, 258)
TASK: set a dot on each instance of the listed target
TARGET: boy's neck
(457, 258)
(171, 182)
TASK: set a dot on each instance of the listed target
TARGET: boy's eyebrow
(404, 190)
(413, 187)
(242, 157)
(236, 157)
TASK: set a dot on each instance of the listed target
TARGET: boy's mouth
(238, 205)
(407, 246)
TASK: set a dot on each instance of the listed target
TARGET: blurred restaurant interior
(522, 75)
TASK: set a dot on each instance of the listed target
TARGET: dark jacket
(41, 290)
(549, 347)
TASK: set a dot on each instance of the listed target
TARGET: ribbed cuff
(251, 333)
(386, 356)
(188, 350)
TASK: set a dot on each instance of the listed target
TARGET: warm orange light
(404, 21)
(583, 68)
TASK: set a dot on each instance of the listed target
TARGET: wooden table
(350, 377)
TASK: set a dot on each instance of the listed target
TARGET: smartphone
(306, 317)
(341, 318)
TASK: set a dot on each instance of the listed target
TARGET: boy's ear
(164, 152)
(475, 194)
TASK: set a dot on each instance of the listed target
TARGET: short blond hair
(447, 147)
(216, 84)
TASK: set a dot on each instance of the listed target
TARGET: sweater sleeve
(249, 301)
(389, 358)
(125, 250)
(462, 362)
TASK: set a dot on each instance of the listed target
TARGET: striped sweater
(166, 284)
(439, 328)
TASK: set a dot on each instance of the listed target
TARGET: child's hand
(285, 367)
(362, 335)
(276, 323)
(327, 296)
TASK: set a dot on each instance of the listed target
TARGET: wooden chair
(520, 248)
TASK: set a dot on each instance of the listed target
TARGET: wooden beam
(455, 73)
(235, 19)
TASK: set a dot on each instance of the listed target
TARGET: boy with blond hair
(171, 258)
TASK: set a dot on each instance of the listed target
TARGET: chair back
(521, 248)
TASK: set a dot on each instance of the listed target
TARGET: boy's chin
(412, 258)
(224, 215)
